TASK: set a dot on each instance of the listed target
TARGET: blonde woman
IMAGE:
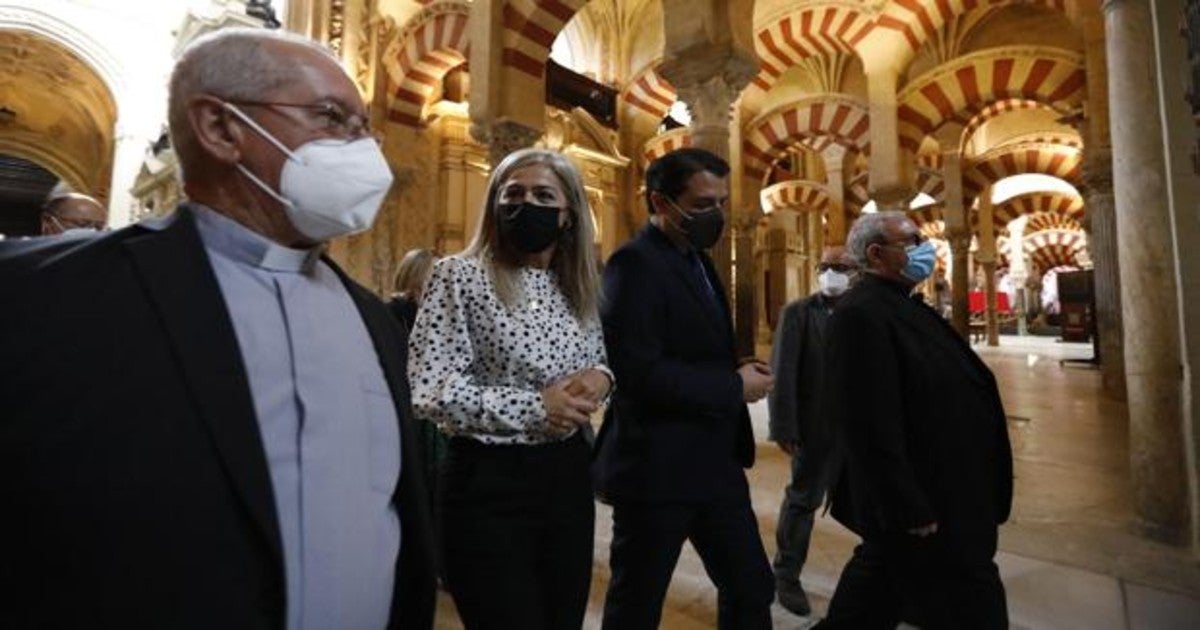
(411, 276)
(507, 358)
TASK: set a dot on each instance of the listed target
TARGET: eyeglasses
(838, 267)
(333, 118)
(65, 224)
(915, 239)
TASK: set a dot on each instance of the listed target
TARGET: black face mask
(529, 227)
(703, 227)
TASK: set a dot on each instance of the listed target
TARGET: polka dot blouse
(477, 367)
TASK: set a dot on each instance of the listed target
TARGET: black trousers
(938, 582)
(647, 539)
(517, 529)
(801, 499)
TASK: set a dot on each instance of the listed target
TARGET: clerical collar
(237, 242)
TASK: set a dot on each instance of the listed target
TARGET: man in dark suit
(206, 423)
(798, 360)
(677, 433)
(927, 473)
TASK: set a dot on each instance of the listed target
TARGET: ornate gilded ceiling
(58, 112)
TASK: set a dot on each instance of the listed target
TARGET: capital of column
(709, 101)
(504, 137)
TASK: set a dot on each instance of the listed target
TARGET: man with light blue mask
(235, 449)
(923, 466)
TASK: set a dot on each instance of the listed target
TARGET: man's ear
(212, 130)
(659, 201)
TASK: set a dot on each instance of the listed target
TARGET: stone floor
(1070, 556)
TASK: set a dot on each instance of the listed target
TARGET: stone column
(1149, 299)
(1017, 272)
(835, 181)
(960, 280)
(785, 261)
(958, 230)
(816, 242)
(987, 259)
(890, 166)
(1100, 220)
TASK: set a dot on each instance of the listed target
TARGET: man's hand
(757, 380)
(791, 447)
(924, 530)
(564, 410)
(590, 383)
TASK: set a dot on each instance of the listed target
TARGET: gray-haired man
(927, 470)
(232, 449)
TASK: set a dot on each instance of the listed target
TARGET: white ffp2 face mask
(833, 283)
(328, 187)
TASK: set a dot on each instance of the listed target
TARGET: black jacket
(135, 487)
(798, 359)
(677, 428)
(918, 418)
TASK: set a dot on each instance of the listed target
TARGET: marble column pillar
(890, 166)
(1100, 221)
(960, 280)
(816, 242)
(1153, 375)
(959, 234)
(785, 262)
(835, 182)
(987, 258)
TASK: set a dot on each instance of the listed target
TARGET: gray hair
(233, 64)
(868, 229)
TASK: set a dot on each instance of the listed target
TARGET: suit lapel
(675, 260)
(179, 280)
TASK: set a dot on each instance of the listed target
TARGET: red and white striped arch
(999, 108)
(962, 88)
(1043, 221)
(649, 94)
(1050, 249)
(530, 27)
(664, 143)
(433, 42)
(808, 32)
(822, 121)
(1054, 160)
(1068, 206)
(919, 21)
(798, 194)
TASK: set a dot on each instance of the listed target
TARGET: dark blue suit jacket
(677, 428)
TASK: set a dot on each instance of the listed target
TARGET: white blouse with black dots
(477, 367)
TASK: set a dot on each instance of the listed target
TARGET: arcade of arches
(1027, 138)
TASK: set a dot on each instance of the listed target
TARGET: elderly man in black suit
(677, 433)
(798, 359)
(206, 423)
(927, 469)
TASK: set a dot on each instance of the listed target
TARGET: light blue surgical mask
(921, 259)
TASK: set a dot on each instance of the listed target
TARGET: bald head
(837, 255)
(71, 211)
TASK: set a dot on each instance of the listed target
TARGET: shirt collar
(239, 243)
